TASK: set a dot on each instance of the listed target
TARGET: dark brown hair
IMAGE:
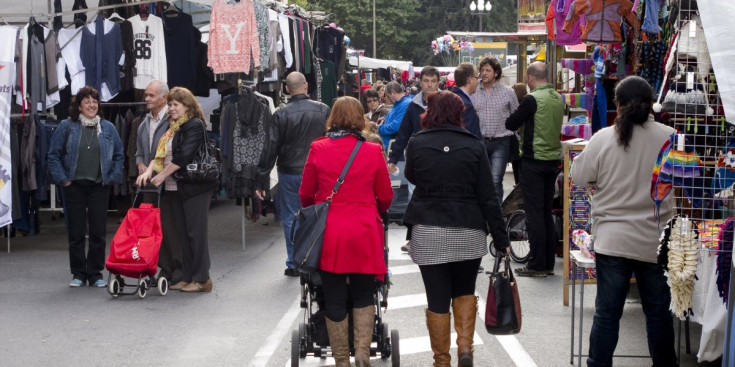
(443, 108)
(463, 73)
(494, 63)
(347, 113)
(76, 101)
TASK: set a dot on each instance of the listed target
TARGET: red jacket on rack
(354, 238)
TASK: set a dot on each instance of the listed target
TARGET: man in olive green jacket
(538, 120)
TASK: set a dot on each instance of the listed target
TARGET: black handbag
(204, 168)
(307, 230)
(503, 308)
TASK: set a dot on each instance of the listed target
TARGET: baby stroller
(515, 225)
(134, 251)
(311, 338)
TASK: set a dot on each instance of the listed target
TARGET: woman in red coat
(353, 240)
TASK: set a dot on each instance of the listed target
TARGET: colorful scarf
(161, 150)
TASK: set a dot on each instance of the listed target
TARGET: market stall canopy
(370, 63)
(720, 38)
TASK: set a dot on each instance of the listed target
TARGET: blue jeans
(288, 204)
(613, 281)
(498, 151)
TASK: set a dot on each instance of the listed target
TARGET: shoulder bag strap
(342, 175)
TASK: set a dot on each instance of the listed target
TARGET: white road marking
(397, 254)
(413, 300)
(512, 346)
(407, 346)
(283, 328)
(404, 269)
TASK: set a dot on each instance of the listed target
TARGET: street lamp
(480, 9)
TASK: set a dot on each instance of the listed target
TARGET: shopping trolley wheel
(113, 287)
(295, 348)
(395, 354)
(142, 288)
(162, 286)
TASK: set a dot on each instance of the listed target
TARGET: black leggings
(450, 280)
(337, 292)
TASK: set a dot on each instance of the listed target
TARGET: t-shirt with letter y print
(233, 38)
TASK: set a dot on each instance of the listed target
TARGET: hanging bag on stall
(307, 230)
(503, 308)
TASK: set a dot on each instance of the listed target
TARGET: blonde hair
(346, 113)
(185, 97)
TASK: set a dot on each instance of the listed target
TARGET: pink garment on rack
(233, 38)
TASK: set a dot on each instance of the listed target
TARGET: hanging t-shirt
(179, 36)
(233, 38)
(71, 41)
(23, 95)
(150, 50)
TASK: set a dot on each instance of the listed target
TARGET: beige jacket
(624, 222)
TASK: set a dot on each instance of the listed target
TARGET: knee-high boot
(339, 341)
(465, 313)
(439, 334)
(364, 323)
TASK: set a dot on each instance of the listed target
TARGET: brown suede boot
(364, 323)
(339, 341)
(438, 325)
(465, 313)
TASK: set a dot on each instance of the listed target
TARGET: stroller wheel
(395, 356)
(520, 248)
(113, 287)
(142, 288)
(295, 348)
(162, 286)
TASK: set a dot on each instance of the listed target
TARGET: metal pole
(375, 50)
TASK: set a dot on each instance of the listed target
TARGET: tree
(405, 28)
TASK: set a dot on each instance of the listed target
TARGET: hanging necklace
(88, 138)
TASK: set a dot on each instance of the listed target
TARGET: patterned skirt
(439, 245)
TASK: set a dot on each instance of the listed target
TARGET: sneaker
(406, 247)
(291, 272)
(99, 283)
(550, 272)
(527, 272)
(480, 269)
(75, 283)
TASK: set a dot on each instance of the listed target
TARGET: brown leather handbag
(503, 309)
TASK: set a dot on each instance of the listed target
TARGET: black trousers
(537, 184)
(170, 256)
(337, 292)
(190, 215)
(446, 281)
(85, 211)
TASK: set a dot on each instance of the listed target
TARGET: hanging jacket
(555, 18)
(603, 19)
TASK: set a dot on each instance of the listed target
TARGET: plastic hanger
(116, 17)
(171, 10)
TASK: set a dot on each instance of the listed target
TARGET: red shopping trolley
(134, 250)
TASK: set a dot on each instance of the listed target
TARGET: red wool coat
(353, 240)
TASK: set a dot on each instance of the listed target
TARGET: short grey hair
(394, 87)
(162, 86)
(538, 70)
(295, 81)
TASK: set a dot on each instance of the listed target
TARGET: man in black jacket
(467, 79)
(294, 128)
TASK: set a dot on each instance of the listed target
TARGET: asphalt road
(248, 318)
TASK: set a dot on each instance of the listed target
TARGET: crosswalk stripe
(408, 346)
(412, 300)
(404, 269)
(512, 346)
(397, 254)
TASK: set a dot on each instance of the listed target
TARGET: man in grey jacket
(154, 124)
